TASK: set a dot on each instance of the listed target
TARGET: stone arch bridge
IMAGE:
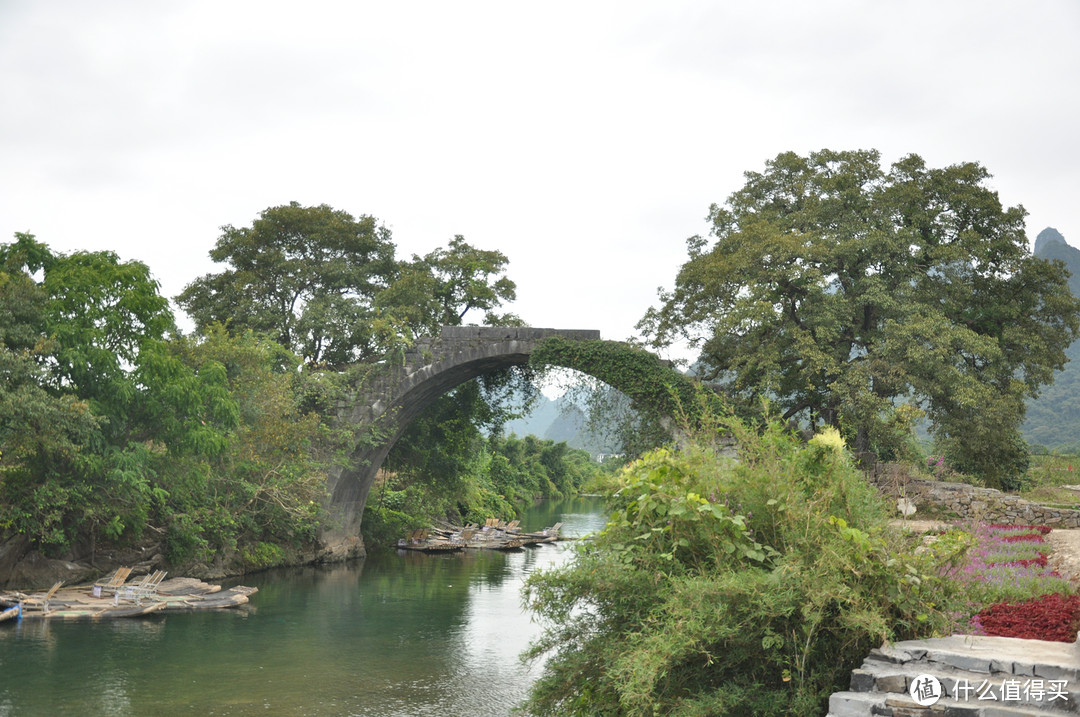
(387, 404)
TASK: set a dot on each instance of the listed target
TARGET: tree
(844, 292)
(327, 286)
(39, 430)
(108, 426)
(75, 329)
(305, 275)
(102, 312)
(247, 464)
(441, 287)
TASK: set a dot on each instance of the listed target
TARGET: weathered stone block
(854, 704)
(891, 683)
(963, 662)
(862, 680)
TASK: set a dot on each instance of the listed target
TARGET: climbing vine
(652, 385)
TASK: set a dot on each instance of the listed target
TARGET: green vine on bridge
(651, 384)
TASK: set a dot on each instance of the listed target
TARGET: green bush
(262, 555)
(484, 504)
(388, 519)
(729, 587)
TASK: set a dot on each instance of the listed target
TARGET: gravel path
(1065, 552)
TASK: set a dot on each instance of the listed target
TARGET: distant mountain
(535, 423)
(1045, 238)
(1053, 419)
(558, 420)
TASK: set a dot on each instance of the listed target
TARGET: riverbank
(24, 568)
(395, 634)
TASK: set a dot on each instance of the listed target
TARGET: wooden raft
(173, 595)
(494, 535)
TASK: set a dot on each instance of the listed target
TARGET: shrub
(262, 555)
(720, 586)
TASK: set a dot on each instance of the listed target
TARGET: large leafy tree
(859, 297)
(75, 329)
(249, 471)
(327, 286)
(443, 286)
(40, 432)
(110, 427)
(305, 275)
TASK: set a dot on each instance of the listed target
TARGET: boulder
(34, 572)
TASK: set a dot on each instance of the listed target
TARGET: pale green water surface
(395, 634)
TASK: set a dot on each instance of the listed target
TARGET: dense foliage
(860, 298)
(256, 488)
(307, 276)
(115, 427)
(495, 478)
(328, 287)
(633, 398)
(729, 587)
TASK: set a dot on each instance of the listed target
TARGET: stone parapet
(518, 333)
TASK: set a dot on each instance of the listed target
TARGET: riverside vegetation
(755, 586)
(118, 430)
(859, 301)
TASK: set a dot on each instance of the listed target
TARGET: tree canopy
(306, 275)
(441, 287)
(861, 298)
(328, 287)
(112, 426)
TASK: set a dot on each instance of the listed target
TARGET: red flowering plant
(1007, 570)
(1053, 617)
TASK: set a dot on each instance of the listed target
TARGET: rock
(34, 571)
(12, 551)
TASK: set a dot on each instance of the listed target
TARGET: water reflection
(404, 634)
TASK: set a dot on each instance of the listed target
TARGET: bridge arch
(384, 407)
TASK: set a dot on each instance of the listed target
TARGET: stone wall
(969, 502)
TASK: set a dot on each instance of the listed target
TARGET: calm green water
(397, 634)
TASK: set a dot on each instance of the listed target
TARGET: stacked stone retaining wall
(969, 502)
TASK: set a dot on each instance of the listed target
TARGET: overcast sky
(586, 140)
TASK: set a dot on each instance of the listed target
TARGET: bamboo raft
(493, 535)
(423, 541)
(174, 595)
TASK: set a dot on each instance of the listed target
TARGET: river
(395, 634)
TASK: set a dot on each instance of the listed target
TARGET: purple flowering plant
(1003, 563)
